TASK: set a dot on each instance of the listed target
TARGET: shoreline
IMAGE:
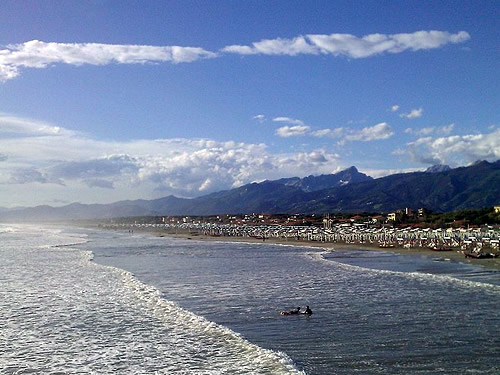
(453, 255)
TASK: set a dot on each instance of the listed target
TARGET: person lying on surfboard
(291, 312)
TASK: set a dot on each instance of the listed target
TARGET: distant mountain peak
(311, 183)
(476, 186)
(438, 168)
(478, 162)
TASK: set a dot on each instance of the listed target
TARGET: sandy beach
(453, 255)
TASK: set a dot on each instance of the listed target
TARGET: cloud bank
(39, 54)
(371, 133)
(349, 45)
(456, 150)
(89, 170)
(140, 168)
(292, 131)
(443, 130)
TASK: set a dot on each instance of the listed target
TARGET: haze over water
(213, 308)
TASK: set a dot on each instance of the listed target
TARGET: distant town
(475, 232)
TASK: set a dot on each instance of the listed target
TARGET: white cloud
(15, 125)
(414, 113)
(259, 118)
(371, 133)
(73, 167)
(38, 54)
(240, 50)
(292, 131)
(331, 133)
(447, 129)
(298, 127)
(425, 131)
(350, 45)
(279, 46)
(380, 131)
(395, 108)
(444, 130)
(7, 71)
(456, 150)
(288, 120)
(377, 173)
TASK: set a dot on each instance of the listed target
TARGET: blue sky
(102, 100)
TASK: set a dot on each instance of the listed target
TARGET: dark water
(373, 314)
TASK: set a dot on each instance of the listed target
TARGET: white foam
(63, 313)
(170, 313)
(414, 275)
(318, 253)
(5, 229)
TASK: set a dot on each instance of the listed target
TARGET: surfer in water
(307, 311)
(291, 312)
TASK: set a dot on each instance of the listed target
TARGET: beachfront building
(422, 212)
(327, 222)
(392, 216)
(406, 212)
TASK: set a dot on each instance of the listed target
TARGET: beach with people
(453, 244)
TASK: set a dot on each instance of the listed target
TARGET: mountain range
(439, 189)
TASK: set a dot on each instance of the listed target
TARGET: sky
(102, 101)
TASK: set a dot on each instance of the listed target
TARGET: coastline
(453, 255)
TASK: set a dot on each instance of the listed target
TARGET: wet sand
(454, 255)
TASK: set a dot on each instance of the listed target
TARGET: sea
(87, 301)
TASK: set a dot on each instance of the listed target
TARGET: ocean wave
(424, 276)
(251, 358)
(4, 228)
(254, 359)
(66, 314)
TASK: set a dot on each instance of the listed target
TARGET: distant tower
(327, 223)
